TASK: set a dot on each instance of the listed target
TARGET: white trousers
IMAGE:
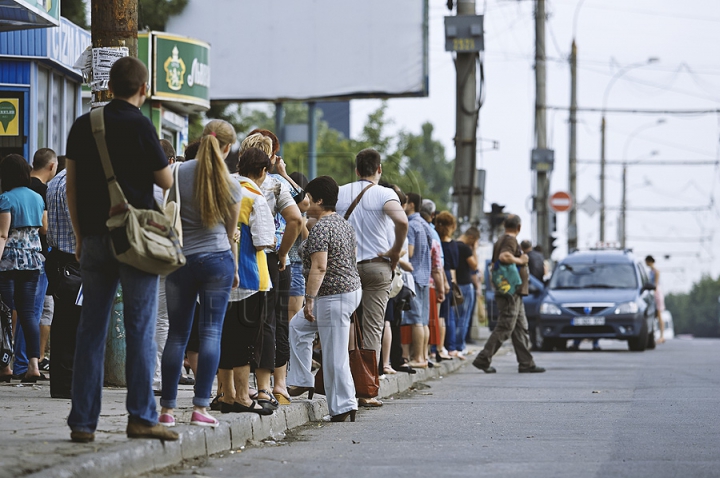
(161, 333)
(332, 322)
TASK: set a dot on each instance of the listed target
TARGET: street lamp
(623, 204)
(603, 124)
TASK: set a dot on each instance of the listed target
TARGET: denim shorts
(419, 312)
(297, 281)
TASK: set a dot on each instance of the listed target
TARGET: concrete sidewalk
(36, 442)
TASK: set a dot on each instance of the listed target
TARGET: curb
(136, 457)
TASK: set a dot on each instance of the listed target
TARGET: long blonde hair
(212, 185)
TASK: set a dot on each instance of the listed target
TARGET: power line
(648, 111)
(680, 162)
(668, 239)
(663, 208)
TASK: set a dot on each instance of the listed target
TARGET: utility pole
(280, 125)
(312, 140)
(114, 24)
(542, 183)
(466, 121)
(572, 242)
(602, 179)
(623, 208)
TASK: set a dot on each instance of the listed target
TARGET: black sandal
(269, 403)
(240, 408)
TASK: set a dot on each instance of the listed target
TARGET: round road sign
(560, 202)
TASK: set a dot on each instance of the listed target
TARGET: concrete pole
(602, 179)
(542, 183)
(280, 125)
(312, 140)
(466, 127)
(114, 24)
(572, 241)
(623, 208)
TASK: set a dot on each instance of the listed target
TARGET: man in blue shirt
(419, 244)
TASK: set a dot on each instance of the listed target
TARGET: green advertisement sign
(181, 69)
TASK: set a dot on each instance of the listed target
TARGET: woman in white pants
(332, 293)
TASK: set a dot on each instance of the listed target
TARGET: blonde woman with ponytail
(210, 206)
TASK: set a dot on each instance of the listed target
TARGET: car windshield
(594, 276)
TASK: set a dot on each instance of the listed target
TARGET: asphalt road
(607, 414)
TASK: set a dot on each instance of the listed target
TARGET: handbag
(142, 238)
(457, 297)
(171, 207)
(397, 283)
(6, 338)
(505, 278)
(363, 367)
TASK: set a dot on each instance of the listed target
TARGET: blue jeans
(209, 275)
(18, 290)
(464, 312)
(101, 273)
(20, 363)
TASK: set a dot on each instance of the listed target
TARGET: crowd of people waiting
(272, 261)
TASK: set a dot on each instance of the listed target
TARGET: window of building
(57, 141)
(42, 108)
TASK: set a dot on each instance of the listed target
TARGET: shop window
(70, 112)
(58, 118)
(42, 108)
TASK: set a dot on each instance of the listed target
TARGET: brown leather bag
(363, 367)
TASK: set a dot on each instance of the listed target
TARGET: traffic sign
(560, 202)
(590, 206)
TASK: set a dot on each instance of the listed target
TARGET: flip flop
(282, 399)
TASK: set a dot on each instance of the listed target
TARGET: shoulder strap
(97, 123)
(357, 201)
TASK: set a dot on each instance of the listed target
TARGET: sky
(611, 34)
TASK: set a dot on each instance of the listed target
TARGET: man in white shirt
(381, 227)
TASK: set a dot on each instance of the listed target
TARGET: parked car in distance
(532, 303)
(598, 294)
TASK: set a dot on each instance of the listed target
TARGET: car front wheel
(639, 343)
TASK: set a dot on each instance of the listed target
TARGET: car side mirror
(648, 286)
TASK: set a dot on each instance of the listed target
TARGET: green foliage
(414, 162)
(75, 11)
(154, 14)
(697, 313)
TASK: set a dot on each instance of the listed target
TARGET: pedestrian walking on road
(138, 162)
(209, 209)
(512, 322)
(332, 293)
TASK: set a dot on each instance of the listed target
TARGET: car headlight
(548, 308)
(627, 308)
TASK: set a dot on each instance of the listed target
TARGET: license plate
(588, 321)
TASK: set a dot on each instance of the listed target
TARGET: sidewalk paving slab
(36, 440)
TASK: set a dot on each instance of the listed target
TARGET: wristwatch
(308, 296)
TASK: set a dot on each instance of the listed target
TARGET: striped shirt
(60, 232)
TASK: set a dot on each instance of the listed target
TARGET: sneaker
(44, 365)
(166, 420)
(140, 430)
(203, 420)
(533, 369)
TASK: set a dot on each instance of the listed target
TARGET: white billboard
(272, 50)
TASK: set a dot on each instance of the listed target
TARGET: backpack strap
(97, 123)
(357, 201)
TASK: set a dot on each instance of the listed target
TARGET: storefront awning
(24, 14)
